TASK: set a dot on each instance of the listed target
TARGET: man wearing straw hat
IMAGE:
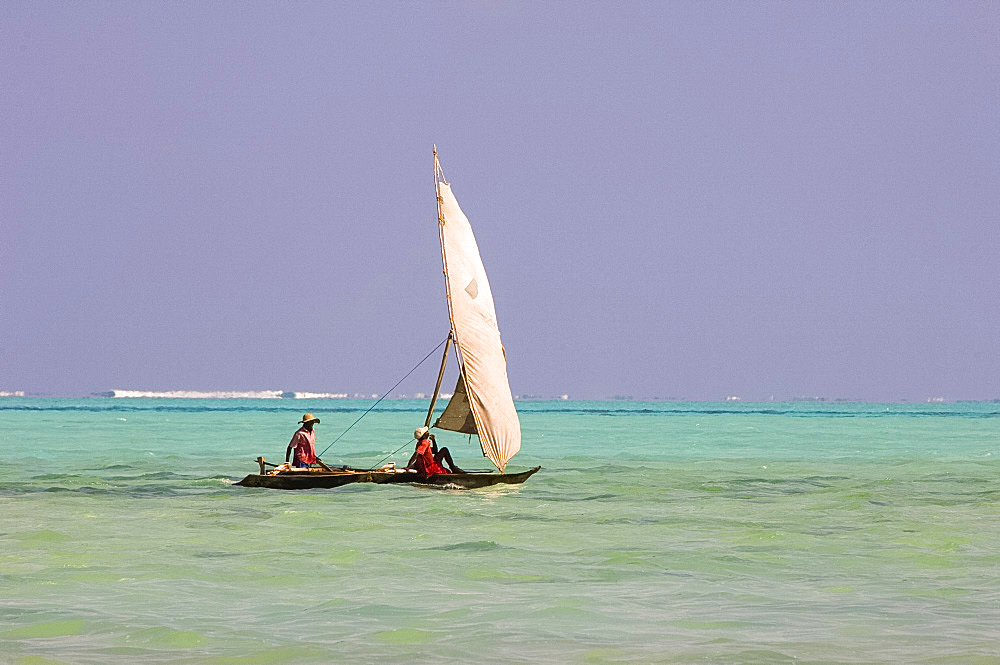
(304, 443)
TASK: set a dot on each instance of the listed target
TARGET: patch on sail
(472, 289)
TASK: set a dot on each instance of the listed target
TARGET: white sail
(474, 327)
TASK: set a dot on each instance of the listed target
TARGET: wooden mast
(438, 177)
(437, 386)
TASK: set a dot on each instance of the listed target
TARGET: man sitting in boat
(303, 443)
(427, 458)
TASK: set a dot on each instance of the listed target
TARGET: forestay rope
(376, 464)
(384, 395)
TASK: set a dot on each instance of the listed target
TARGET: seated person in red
(427, 458)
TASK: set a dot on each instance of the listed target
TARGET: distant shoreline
(323, 396)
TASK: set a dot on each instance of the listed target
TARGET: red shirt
(426, 463)
(304, 443)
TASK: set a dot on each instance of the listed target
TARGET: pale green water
(655, 533)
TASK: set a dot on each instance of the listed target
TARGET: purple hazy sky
(672, 199)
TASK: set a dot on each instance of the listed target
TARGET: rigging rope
(375, 466)
(384, 395)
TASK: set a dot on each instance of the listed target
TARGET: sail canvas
(457, 416)
(474, 326)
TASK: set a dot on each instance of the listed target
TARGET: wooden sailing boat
(482, 403)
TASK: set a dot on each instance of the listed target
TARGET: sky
(683, 200)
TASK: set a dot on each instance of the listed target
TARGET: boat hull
(469, 481)
(316, 479)
(334, 479)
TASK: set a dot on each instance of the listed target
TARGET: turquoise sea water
(655, 533)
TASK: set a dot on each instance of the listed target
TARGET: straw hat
(420, 433)
(308, 418)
